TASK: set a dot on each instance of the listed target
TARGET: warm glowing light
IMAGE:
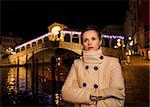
(78, 33)
(149, 54)
(115, 47)
(9, 50)
(129, 38)
(58, 39)
(131, 43)
(58, 58)
(129, 53)
(113, 36)
(119, 44)
(34, 40)
(58, 63)
(118, 40)
(73, 32)
(55, 30)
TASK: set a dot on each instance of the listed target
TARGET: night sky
(30, 18)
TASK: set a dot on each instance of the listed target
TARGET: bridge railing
(22, 54)
(25, 52)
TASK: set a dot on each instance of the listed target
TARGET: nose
(89, 42)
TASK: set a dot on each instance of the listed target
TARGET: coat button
(84, 84)
(86, 67)
(95, 68)
(95, 86)
(101, 57)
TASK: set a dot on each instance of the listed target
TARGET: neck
(92, 56)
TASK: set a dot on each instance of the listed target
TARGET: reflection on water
(42, 77)
(31, 84)
(9, 78)
(34, 84)
(12, 78)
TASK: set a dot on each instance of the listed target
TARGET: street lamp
(129, 38)
(57, 96)
(58, 61)
(129, 48)
(9, 50)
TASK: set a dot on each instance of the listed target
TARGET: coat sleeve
(71, 91)
(116, 90)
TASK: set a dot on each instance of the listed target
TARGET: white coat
(95, 73)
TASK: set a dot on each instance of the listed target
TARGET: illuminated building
(57, 32)
(136, 26)
(9, 41)
(111, 35)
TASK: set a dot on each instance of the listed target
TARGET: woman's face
(91, 41)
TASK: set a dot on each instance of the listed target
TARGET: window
(67, 37)
(139, 15)
(134, 16)
(33, 44)
(105, 42)
(7, 40)
(134, 5)
(114, 43)
(132, 22)
(18, 50)
(23, 48)
(28, 46)
(146, 28)
(4, 39)
(75, 38)
(40, 41)
(139, 2)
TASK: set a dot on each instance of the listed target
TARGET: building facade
(113, 37)
(136, 27)
(8, 43)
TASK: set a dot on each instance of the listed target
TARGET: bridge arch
(39, 41)
(75, 47)
(67, 56)
(47, 53)
(28, 46)
(75, 38)
(67, 37)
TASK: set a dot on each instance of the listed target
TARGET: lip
(90, 47)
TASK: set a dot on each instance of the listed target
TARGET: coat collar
(93, 56)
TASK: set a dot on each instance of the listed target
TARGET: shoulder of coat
(77, 61)
(111, 58)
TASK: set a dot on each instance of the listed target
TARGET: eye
(85, 40)
(93, 38)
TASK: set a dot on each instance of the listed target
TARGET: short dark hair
(90, 27)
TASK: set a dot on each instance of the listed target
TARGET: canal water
(22, 79)
(37, 82)
(23, 75)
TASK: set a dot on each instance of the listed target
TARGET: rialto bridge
(58, 37)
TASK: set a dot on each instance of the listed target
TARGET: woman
(95, 80)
